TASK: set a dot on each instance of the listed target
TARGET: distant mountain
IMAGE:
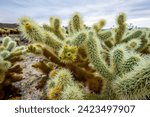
(8, 25)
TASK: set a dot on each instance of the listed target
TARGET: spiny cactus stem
(95, 58)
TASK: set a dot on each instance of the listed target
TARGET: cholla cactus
(111, 59)
(120, 30)
(98, 26)
(124, 58)
(76, 23)
(4, 65)
(55, 27)
(135, 84)
(31, 30)
(62, 86)
(9, 48)
(9, 73)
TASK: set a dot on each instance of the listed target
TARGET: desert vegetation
(76, 62)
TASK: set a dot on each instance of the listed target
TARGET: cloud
(92, 10)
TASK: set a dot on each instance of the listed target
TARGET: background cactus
(9, 54)
(9, 48)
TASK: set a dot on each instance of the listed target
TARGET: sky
(137, 11)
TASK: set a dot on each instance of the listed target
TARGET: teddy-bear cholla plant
(9, 54)
(123, 60)
(62, 86)
(91, 62)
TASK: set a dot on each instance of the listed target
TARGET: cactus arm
(31, 30)
(5, 41)
(56, 29)
(117, 59)
(52, 41)
(78, 39)
(76, 23)
(99, 25)
(93, 54)
(135, 34)
(134, 85)
(130, 63)
(120, 30)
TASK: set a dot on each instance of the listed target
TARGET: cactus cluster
(108, 64)
(8, 31)
(9, 54)
(86, 62)
(9, 48)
